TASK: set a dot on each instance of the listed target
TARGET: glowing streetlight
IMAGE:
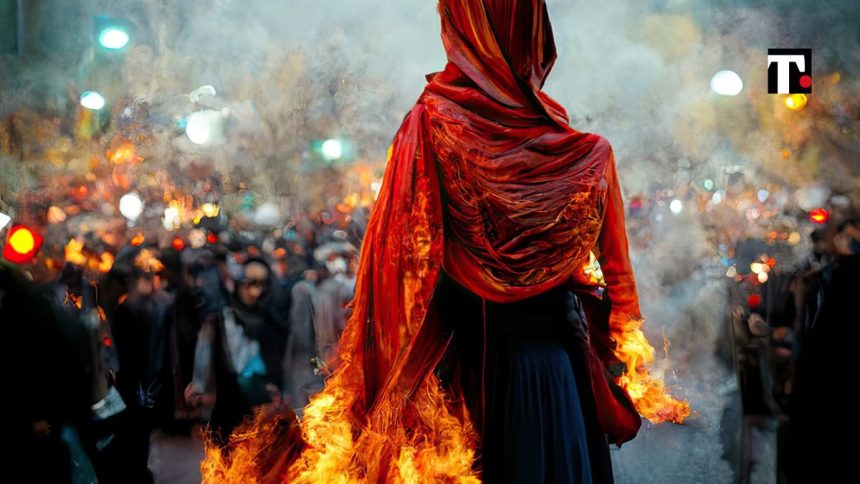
(676, 206)
(92, 100)
(205, 127)
(332, 149)
(113, 37)
(727, 83)
(171, 220)
(131, 206)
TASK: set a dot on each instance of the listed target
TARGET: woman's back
(535, 428)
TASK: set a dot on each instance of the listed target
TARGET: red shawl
(486, 180)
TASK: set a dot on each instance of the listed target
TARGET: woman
(489, 208)
(239, 348)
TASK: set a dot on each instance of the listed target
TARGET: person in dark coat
(825, 358)
(137, 328)
(252, 312)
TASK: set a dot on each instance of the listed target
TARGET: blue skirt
(534, 428)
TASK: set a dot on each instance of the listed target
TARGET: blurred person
(237, 358)
(826, 349)
(302, 373)
(846, 242)
(63, 410)
(332, 296)
(250, 310)
(138, 331)
(183, 321)
(213, 393)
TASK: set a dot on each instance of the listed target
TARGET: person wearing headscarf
(489, 190)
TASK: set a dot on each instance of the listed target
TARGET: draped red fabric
(487, 181)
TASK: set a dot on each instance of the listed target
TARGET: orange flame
(592, 271)
(105, 262)
(442, 451)
(647, 390)
(267, 441)
(75, 253)
(137, 240)
(74, 300)
(147, 262)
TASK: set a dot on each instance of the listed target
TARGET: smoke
(636, 72)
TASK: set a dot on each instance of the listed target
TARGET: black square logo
(789, 71)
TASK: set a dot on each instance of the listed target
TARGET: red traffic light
(21, 244)
(178, 244)
(819, 216)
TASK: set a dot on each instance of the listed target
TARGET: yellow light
(22, 241)
(351, 200)
(123, 154)
(762, 277)
(757, 267)
(210, 209)
(796, 102)
(56, 215)
(794, 238)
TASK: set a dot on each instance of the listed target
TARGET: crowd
(172, 338)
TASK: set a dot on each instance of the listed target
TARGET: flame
(147, 262)
(74, 300)
(592, 271)
(269, 441)
(75, 253)
(436, 447)
(648, 391)
(105, 262)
